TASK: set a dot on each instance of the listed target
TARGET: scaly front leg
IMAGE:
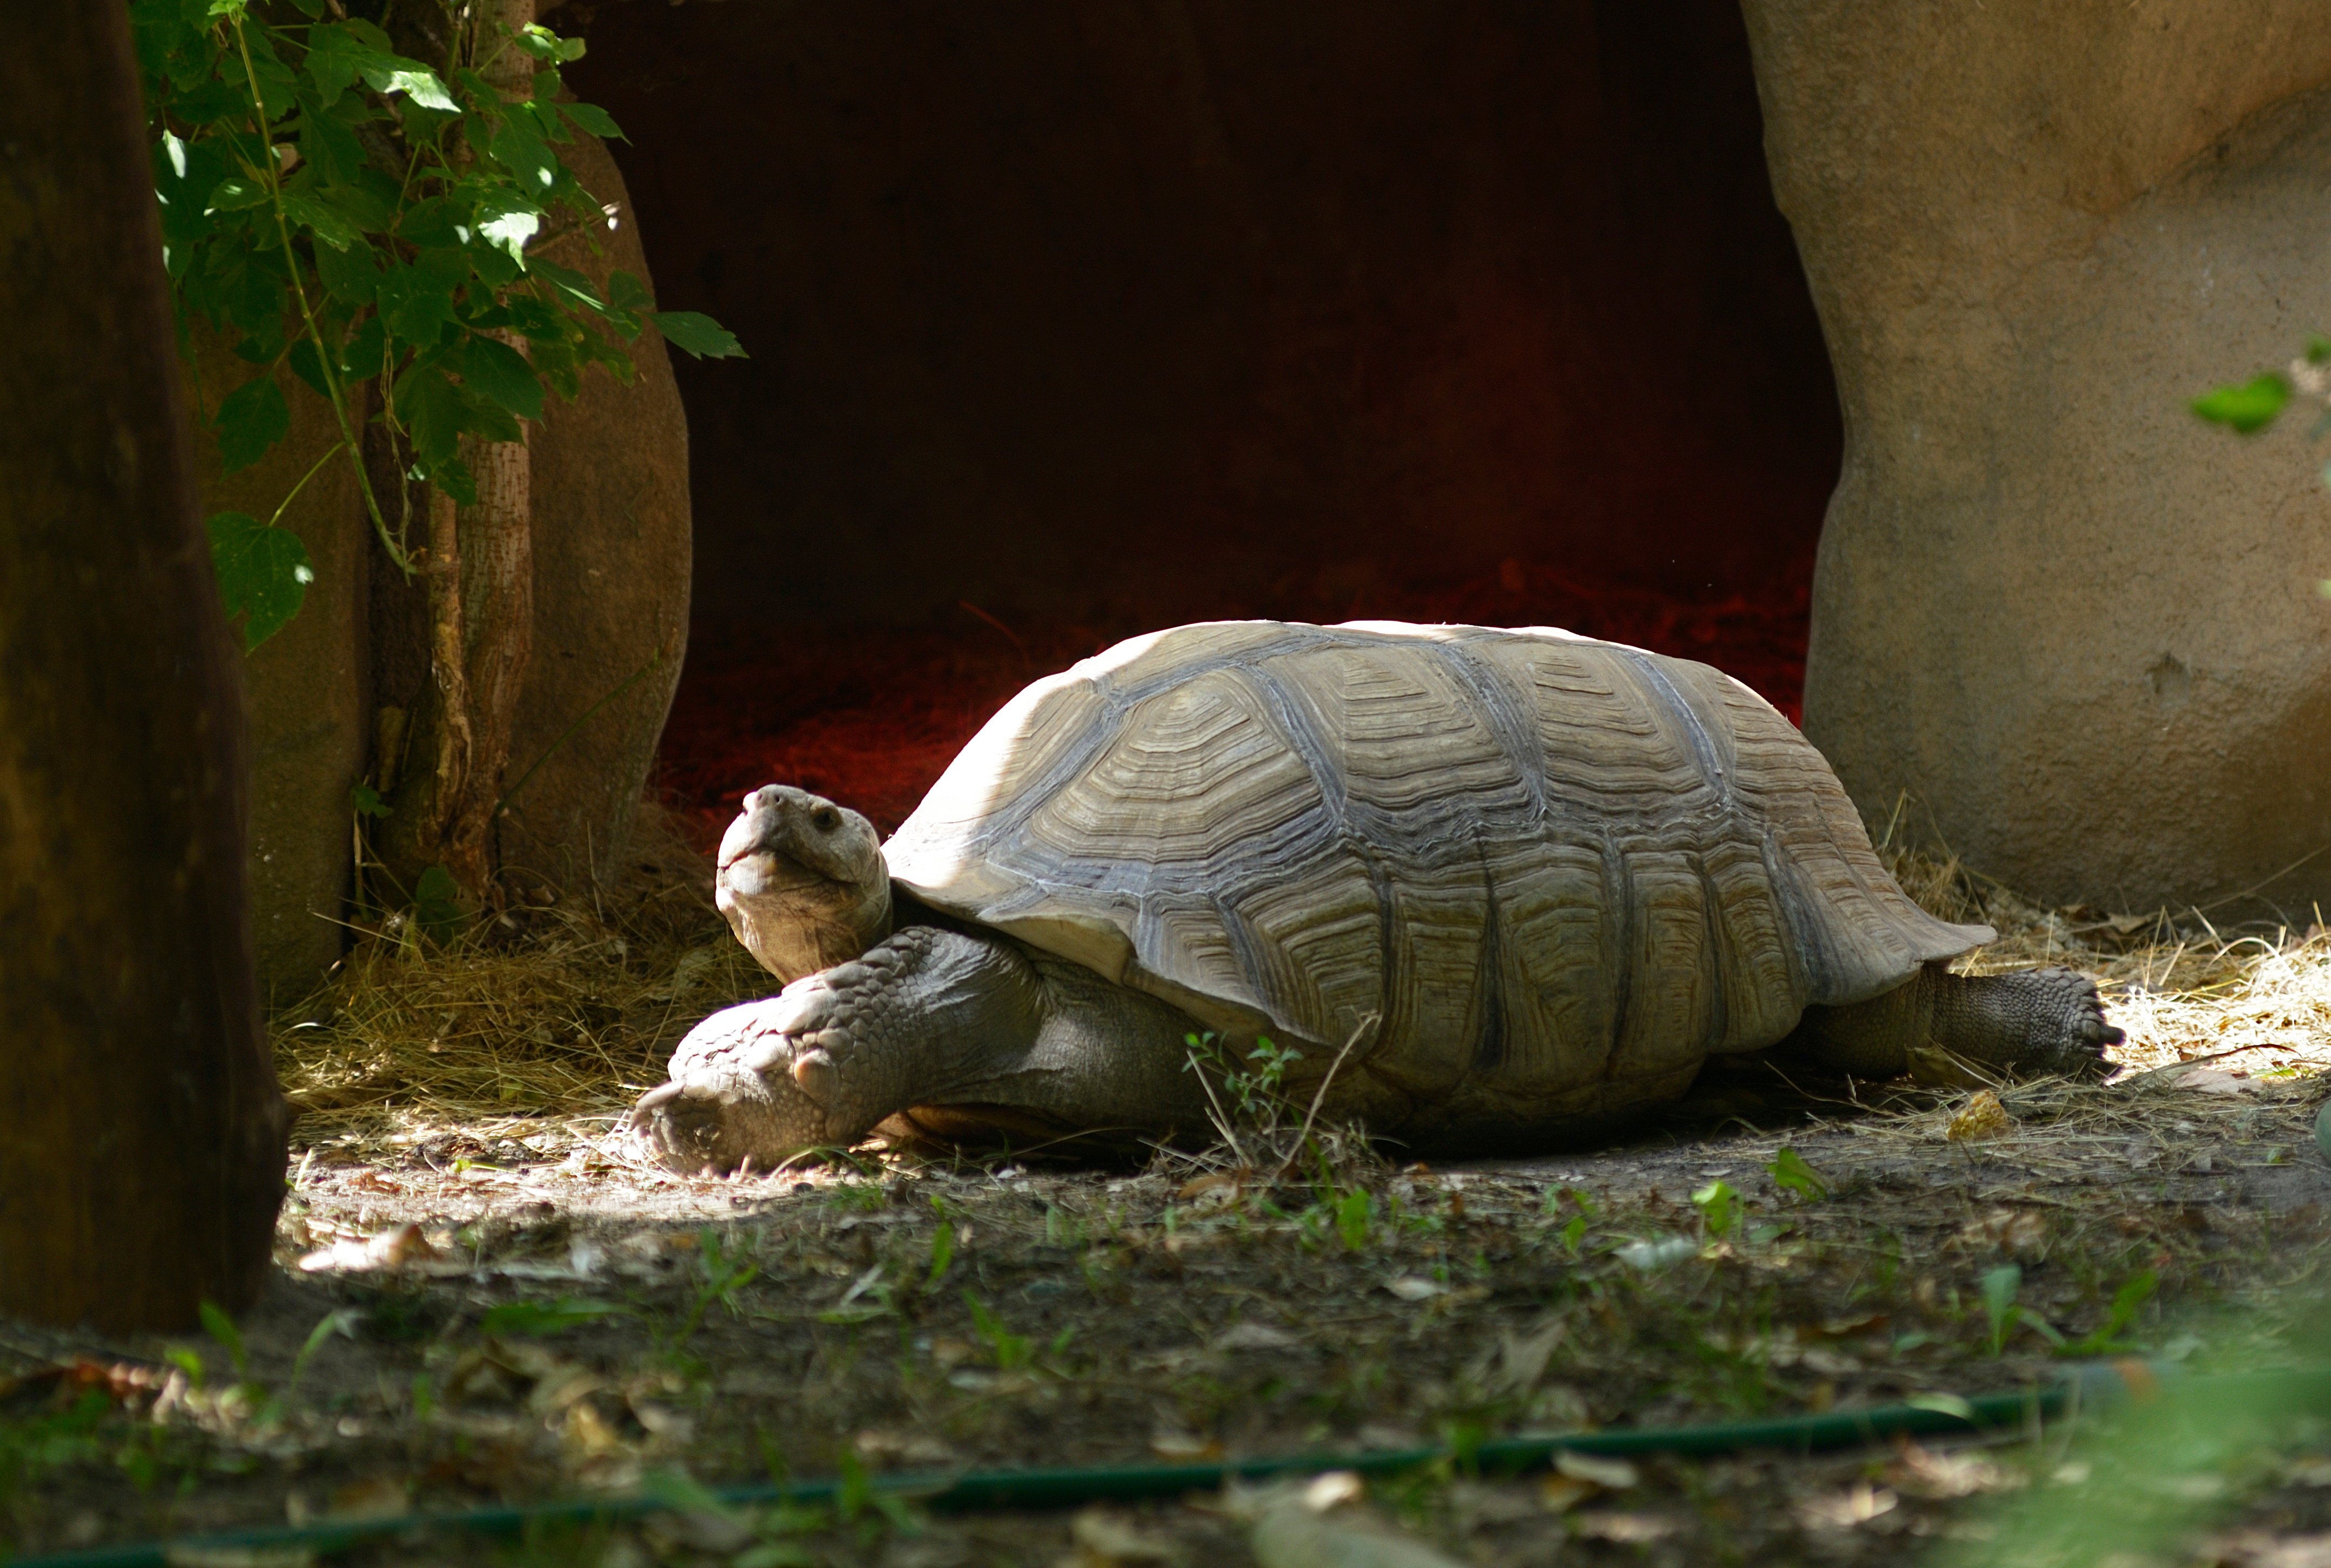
(916, 1020)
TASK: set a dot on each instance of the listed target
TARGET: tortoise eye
(825, 818)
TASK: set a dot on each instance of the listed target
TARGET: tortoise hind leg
(2032, 1022)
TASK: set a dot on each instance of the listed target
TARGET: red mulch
(871, 715)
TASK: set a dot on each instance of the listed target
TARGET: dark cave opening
(1069, 322)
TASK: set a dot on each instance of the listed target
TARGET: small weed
(1256, 1094)
(2000, 1310)
(220, 1327)
(720, 1275)
(1719, 1209)
(942, 1253)
(1356, 1213)
(539, 1319)
(1790, 1173)
(2127, 1302)
(1011, 1350)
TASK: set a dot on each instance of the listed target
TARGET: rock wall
(305, 688)
(2077, 630)
(611, 559)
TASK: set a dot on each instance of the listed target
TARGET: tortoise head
(803, 882)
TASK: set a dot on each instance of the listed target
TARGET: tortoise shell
(1524, 860)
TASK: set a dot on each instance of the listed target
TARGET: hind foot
(2029, 1023)
(1965, 1031)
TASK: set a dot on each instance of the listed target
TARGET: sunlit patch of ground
(480, 1298)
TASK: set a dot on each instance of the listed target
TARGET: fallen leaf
(1105, 1538)
(1616, 1474)
(1211, 1182)
(1982, 1116)
(400, 1246)
(1627, 1529)
(1415, 1287)
(2018, 1233)
(1857, 1504)
(1562, 1493)
(1292, 1535)
(1183, 1446)
(1255, 1336)
(375, 1497)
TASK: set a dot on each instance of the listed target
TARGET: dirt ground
(479, 1300)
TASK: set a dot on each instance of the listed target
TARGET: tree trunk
(481, 609)
(141, 1132)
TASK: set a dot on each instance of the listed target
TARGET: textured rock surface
(2080, 629)
(304, 686)
(610, 585)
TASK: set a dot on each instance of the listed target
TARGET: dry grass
(2257, 1001)
(542, 1024)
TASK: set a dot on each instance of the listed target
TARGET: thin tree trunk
(141, 1132)
(498, 596)
(481, 611)
(497, 544)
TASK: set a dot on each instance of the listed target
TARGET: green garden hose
(2092, 1386)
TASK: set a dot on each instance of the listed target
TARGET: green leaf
(370, 200)
(574, 285)
(220, 1327)
(501, 373)
(593, 121)
(435, 222)
(364, 801)
(507, 222)
(308, 367)
(332, 148)
(2246, 408)
(253, 296)
(2318, 349)
(1792, 1175)
(317, 216)
(263, 573)
(437, 903)
(626, 291)
(518, 148)
(234, 192)
(487, 420)
(389, 74)
(1999, 1290)
(362, 354)
(431, 411)
(352, 274)
(542, 1317)
(1719, 1207)
(699, 334)
(251, 419)
(415, 304)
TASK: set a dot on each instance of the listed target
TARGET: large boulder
(305, 687)
(611, 583)
(2077, 629)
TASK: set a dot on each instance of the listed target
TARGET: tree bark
(498, 543)
(481, 607)
(141, 1131)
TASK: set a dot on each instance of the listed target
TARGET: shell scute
(1537, 860)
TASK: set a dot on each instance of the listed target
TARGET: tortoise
(1497, 888)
